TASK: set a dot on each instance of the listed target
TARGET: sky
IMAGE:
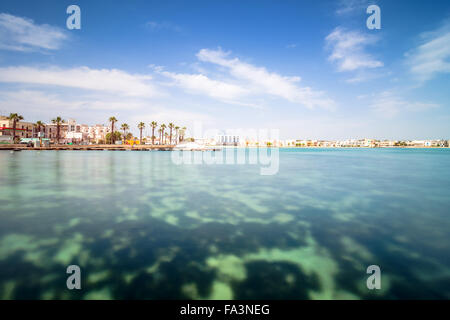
(310, 69)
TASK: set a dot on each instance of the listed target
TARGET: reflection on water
(141, 227)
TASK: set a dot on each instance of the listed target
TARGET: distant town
(14, 130)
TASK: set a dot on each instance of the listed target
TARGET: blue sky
(311, 69)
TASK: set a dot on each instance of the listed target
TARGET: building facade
(23, 129)
(228, 140)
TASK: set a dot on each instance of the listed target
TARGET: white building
(227, 140)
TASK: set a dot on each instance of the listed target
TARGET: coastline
(96, 147)
(109, 147)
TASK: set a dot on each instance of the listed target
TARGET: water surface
(141, 227)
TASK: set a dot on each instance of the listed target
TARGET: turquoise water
(141, 227)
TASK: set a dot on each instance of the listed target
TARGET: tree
(153, 124)
(182, 132)
(141, 126)
(176, 134)
(110, 137)
(58, 121)
(113, 120)
(160, 130)
(171, 126)
(39, 125)
(163, 127)
(124, 127)
(14, 117)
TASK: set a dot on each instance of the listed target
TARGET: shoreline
(108, 147)
(94, 147)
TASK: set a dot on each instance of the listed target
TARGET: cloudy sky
(311, 69)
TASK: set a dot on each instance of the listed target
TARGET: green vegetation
(163, 127)
(153, 125)
(110, 139)
(141, 126)
(113, 120)
(125, 128)
(58, 121)
(15, 118)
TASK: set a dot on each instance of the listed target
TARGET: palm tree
(176, 134)
(14, 117)
(153, 124)
(39, 125)
(141, 126)
(124, 127)
(163, 127)
(112, 120)
(160, 135)
(166, 135)
(182, 132)
(109, 137)
(171, 126)
(58, 121)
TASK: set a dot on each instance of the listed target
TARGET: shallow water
(141, 227)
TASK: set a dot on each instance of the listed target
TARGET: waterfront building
(307, 143)
(51, 132)
(370, 143)
(326, 144)
(97, 133)
(205, 141)
(386, 143)
(73, 132)
(417, 143)
(301, 143)
(23, 129)
(289, 143)
(227, 140)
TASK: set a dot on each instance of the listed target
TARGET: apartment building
(23, 129)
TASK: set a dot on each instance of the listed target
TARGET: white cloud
(350, 6)
(364, 76)
(388, 105)
(258, 80)
(18, 99)
(348, 50)
(22, 34)
(110, 80)
(432, 56)
(199, 83)
(44, 101)
(357, 79)
(162, 114)
(91, 109)
(157, 26)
